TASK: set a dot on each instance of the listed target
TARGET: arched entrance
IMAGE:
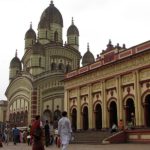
(85, 118)
(74, 119)
(130, 110)
(113, 113)
(147, 110)
(98, 117)
(47, 115)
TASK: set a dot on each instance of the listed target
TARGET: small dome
(15, 62)
(88, 57)
(38, 49)
(73, 30)
(51, 15)
(30, 34)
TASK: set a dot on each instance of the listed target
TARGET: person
(6, 135)
(51, 133)
(133, 119)
(120, 124)
(28, 138)
(37, 134)
(16, 133)
(47, 134)
(64, 130)
(114, 128)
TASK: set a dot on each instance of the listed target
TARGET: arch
(85, 118)
(68, 68)
(57, 116)
(98, 116)
(40, 62)
(47, 115)
(53, 66)
(147, 110)
(112, 113)
(129, 110)
(74, 119)
(26, 117)
(56, 36)
(61, 66)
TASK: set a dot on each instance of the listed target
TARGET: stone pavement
(83, 147)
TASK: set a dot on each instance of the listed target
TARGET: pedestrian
(120, 124)
(51, 133)
(16, 133)
(6, 136)
(28, 138)
(64, 130)
(37, 134)
(47, 133)
(114, 128)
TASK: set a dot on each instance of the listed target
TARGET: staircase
(90, 137)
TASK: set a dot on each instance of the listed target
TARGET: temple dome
(88, 57)
(50, 15)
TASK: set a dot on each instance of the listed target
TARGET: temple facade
(36, 85)
(115, 87)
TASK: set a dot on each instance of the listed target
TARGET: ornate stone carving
(126, 79)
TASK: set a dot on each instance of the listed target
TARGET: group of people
(64, 133)
(38, 135)
(130, 124)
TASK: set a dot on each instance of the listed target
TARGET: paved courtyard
(83, 147)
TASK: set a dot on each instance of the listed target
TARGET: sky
(122, 21)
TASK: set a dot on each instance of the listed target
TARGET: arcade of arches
(97, 98)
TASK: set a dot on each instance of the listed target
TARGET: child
(29, 138)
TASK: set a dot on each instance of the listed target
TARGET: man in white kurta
(64, 130)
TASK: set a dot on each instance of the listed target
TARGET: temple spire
(51, 2)
(31, 25)
(72, 21)
(88, 47)
(16, 53)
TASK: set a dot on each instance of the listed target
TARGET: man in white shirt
(64, 130)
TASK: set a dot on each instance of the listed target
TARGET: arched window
(68, 68)
(61, 66)
(53, 66)
(46, 33)
(40, 62)
(56, 36)
(75, 40)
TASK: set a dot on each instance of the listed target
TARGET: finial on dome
(72, 21)
(31, 25)
(109, 41)
(16, 53)
(52, 2)
(88, 47)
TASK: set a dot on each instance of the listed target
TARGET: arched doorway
(85, 118)
(74, 119)
(47, 115)
(147, 110)
(130, 110)
(98, 117)
(113, 114)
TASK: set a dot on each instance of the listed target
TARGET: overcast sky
(122, 21)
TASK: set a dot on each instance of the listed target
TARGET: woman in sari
(37, 134)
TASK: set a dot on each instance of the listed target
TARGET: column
(104, 107)
(138, 91)
(119, 99)
(66, 100)
(78, 110)
(33, 103)
(90, 106)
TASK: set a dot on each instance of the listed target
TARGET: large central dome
(51, 15)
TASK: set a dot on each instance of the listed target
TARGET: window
(56, 36)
